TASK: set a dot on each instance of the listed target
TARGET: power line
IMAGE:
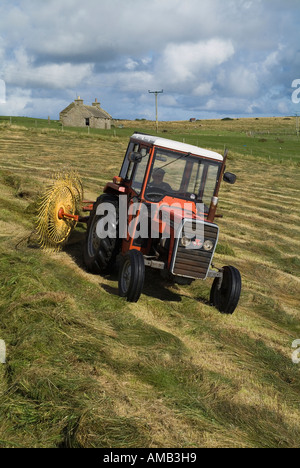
(156, 111)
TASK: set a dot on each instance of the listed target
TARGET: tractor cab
(159, 170)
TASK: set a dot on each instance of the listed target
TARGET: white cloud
(203, 89)
(146, 61)
(131, 64)
(203, 54)
(226, 105)
(2, 92)
(168, 101)
(16, 102)
(21, 71)
(283, 108)
(131, 81)
(182, 62)
(243, 81)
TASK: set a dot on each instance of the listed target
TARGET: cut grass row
(86, 369)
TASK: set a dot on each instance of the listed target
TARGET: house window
(87, 122)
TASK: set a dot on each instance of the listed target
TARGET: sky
(211, 58)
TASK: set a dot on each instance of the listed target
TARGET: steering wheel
(183, 194)
(155, 192)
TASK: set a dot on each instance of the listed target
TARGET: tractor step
(154, 264)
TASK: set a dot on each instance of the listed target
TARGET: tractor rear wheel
(132, 275)
(225, 296)
(99, 254)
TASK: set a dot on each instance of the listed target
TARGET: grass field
(87, 369)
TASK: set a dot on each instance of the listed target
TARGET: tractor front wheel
(225, 292)
(132, 275)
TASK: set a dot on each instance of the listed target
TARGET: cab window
(130, 170)
(139, 171)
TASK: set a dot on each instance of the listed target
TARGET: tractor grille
(194, 262)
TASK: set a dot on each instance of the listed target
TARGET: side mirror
(229, 178)
(135, 157)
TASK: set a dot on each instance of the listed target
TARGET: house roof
(87, 111)
(96, 112)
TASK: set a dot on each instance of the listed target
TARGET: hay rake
(59, 210)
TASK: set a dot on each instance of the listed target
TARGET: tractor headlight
(208, 245)
(186, 242)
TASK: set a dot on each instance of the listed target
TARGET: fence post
(2, 352)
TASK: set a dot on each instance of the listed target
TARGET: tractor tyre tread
(104, 259)
(137, 279)
(226, 302)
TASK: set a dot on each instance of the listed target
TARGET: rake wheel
(63, 196)
(74, 182)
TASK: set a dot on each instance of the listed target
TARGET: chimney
(96, 104)
(78, 101)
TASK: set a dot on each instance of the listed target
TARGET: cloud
(203, 89)
(21, 71)
(188, 61)
(243, 81)
(16, 102)
(131, 64)
(2, 92)
(239, 56)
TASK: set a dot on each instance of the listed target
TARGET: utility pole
(156, 112)
(297, 124)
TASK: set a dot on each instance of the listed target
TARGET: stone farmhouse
(78, 114)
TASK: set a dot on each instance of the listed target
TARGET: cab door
(136, 176)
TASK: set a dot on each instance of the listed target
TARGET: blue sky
(212, 58)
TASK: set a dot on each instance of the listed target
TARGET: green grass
(29, 122)
(86, 369)
(267, 138)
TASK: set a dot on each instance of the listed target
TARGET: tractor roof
(177, 146)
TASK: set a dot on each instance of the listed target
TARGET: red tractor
(158, 213)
